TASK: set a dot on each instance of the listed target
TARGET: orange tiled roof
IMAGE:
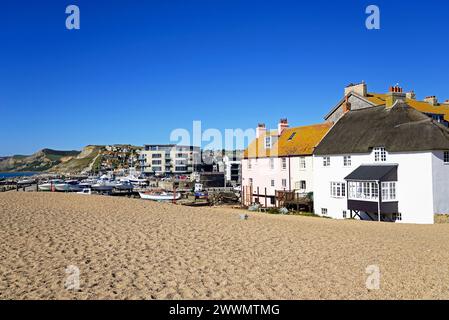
(292, 142)
(379, 99)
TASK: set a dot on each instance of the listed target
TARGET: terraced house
(384, 162)
(280, 160)
(357, 97)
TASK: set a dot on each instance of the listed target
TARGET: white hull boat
(103, 186)
(159, 196)
(26, 181)
(85, 191)
(48, 186)
(68, 187)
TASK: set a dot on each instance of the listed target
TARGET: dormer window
(380, 154)
(267, 142)
(292, 136)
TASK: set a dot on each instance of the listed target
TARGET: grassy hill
(40, 161)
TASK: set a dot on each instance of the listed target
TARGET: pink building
(280, 160)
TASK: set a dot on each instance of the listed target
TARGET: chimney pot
(283, 124)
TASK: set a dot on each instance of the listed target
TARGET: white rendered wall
(440, 172)
(414, 187)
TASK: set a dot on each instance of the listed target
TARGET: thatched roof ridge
(400, 128)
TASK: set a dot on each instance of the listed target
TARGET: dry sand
(133, 249)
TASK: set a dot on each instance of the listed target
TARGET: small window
(291, 136)
(344, 214)
(284, 163)
(338, 189)
(397, 217)
(249, 164)
(267, 142)
(446, 157)
(302, 163)
(251, 181)
(271, 164)
(272, 183)
(347, 161)
(326, 161)
(273, 200)
(324, 211)
(380, 154)
(302, 185)
(284, 183)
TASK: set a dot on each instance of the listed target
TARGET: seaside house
(169, 159)
(357, 97)
(279, 160)
(383, 160)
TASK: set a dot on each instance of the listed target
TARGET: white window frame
(324, 211)
(347, 161)
(249, 165)
(250, 181)
(363, 190)
(302, 163)
(389, 191)
(326, 161)
(272, 183)
(345, 214)
(380, 154)
(446, 157)
(284, 183)
(284, 163)
(268, 142)
(271, 163)
(338, 190)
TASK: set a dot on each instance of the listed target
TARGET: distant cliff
(42, 160)
(91, 158)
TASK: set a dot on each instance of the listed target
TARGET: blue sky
(136, 70)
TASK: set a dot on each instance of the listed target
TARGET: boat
(68, 186)
(87, 183)
(137, 181)
(104, 184)
(26, 181)
(159, 195)
(85, 191)
(124, 185)
(49, 185)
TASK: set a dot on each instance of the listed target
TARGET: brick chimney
(431, 100)
(260, 130)
(360, 89)
(395, 94)
(283, 124)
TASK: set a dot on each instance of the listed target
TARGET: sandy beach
(133, 249)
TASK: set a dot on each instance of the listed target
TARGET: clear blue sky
(139, 69)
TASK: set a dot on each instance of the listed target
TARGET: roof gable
(295, 141)
(400, 128)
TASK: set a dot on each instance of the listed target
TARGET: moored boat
(49, 185)
(68, 186)
(159, 195)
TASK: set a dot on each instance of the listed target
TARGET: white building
(169, 159)
(279, 160)
(392, 160)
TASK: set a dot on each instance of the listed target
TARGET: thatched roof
(400, 128)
